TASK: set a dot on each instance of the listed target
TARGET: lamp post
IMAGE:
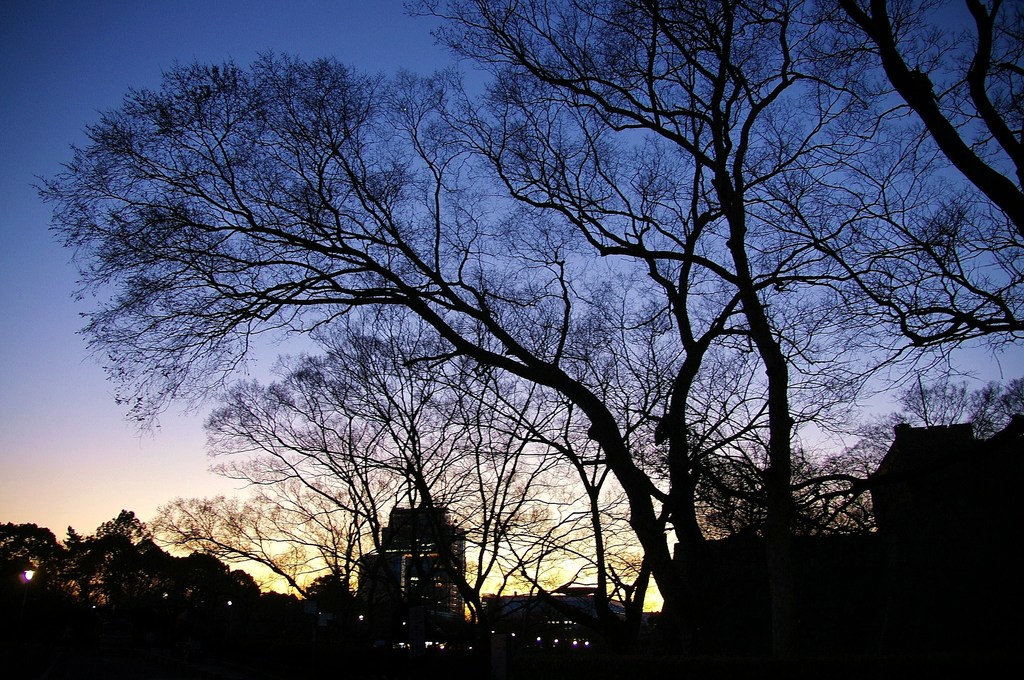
(26, 577)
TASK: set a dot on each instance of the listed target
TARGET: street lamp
(26, 577)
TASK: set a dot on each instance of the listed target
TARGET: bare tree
(937, 256)
(586, 540)
(767, 118)
(970, 105)
(233, 202)
(693, 139)
(289, 198)
(291, 534)
(646, 219)
(380, 420)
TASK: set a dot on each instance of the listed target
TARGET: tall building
(420, 553)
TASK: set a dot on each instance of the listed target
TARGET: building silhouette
(549, 621)
(940, 577)
(948, 510)
(415, 568)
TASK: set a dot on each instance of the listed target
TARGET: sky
(68, 457)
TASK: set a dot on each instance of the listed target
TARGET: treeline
(118, 587)
(117, 568)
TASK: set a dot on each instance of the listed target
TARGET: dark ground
(113, 663)
(95, 662)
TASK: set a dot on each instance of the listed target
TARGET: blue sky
(67, 456)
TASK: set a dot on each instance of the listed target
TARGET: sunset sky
(67, 455)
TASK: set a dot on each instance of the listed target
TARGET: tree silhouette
(981, 93)
(696, 228)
